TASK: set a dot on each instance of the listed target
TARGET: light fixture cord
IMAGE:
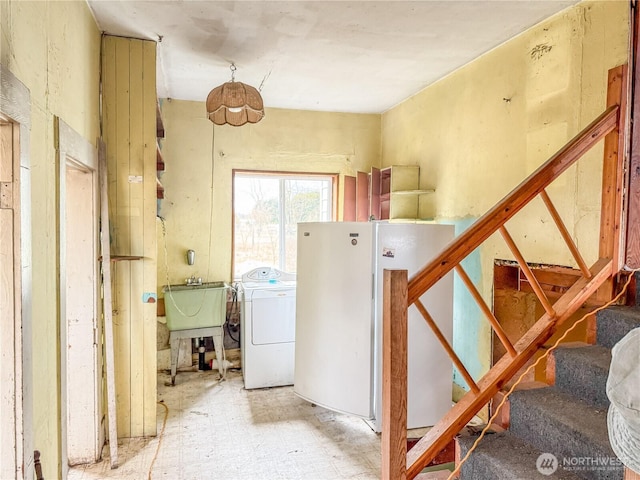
(232, 67)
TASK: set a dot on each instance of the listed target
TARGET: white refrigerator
(338, 354)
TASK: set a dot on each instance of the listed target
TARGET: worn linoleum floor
(220, 431)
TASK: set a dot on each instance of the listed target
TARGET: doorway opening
(81, 376)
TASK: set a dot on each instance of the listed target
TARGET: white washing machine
(268, 327)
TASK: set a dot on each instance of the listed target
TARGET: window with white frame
(266, 210)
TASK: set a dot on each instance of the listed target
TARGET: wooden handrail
(441, 434)
(609, 125)
(490, 222)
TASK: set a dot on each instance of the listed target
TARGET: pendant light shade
(234, 103)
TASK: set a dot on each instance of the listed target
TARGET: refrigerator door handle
(373, 286)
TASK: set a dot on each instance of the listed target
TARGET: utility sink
(195, 306)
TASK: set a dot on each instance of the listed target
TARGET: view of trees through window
(267, 209)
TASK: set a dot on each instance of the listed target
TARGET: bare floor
(220, 431)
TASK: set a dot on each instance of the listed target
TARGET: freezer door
(334, 321)
(411, 247)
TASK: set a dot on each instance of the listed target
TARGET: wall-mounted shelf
(412, 192)
(399, 191)
(386, 194)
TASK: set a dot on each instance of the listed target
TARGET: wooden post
(611, 237)
(632, 259)
(107, 308)
(394, 375)
(630, 474)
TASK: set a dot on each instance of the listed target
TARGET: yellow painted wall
(475, 134)
(285, 140)
(53, 48)
(481, 130)
(129, 128)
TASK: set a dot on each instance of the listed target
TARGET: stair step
(502, 456)
(441, 475)
(571, 429)
(582, 371)
(613, 323)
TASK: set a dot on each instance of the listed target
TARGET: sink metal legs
(174, 341)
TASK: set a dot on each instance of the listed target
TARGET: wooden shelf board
(412, 192)
(121, 258)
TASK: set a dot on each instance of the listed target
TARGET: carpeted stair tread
(559, 423)
(613, 323)
(582, 371)
(501, 456)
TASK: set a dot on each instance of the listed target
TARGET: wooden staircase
(400, 293)
(565, 417)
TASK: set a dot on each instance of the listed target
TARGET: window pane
(267, 210)
(256, 223)
(305, 201)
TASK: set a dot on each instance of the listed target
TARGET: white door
(81, 316)
(334, 322)
(80, 326)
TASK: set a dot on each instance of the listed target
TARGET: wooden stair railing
(400, 293)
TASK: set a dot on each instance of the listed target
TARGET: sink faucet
(192, 280)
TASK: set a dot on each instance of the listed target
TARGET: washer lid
(266, 275)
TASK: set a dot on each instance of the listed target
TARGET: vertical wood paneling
(136, 234)
(121, 239)
(149, 343)
(130, 137)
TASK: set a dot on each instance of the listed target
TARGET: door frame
(15, 107)
(75, 152)
(631, 224)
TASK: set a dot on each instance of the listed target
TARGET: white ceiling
(343, 56)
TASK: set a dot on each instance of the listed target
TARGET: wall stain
(540, 50)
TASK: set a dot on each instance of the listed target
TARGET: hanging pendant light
(234, 103)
